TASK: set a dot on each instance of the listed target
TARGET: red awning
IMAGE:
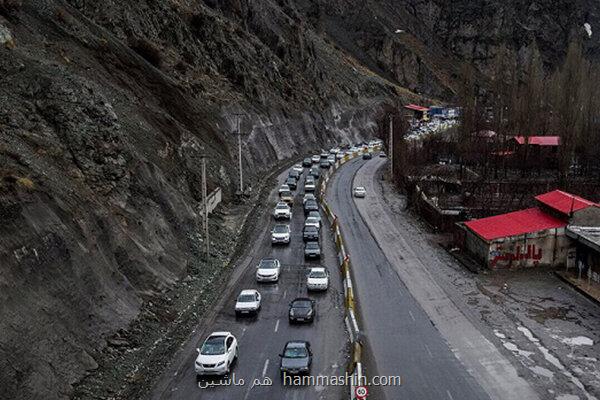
(415, 107)
(539, 140)
(564, 202)
(514, 224)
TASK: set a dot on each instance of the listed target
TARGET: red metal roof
(514, 224)
(539, 140)
(415, 107)
(564, 202)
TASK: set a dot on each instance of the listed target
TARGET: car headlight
(292, 312)
(220, 363)
(309, 312)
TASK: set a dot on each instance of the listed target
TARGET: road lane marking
(449, 395)
(285, 293)
(412, 316)
(264, 372)
(276, 325)
(428, 351)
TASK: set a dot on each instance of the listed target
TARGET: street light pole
(205, 211)
(391, 149)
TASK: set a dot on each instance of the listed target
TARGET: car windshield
(280, 229)
(246, 298)
(312, 245)
(310, 228)
(282, 206)
(311, 220)
(314, 214)
(267, 264)
(317, 274)
(301, 304)
(286, 193)
(213, 346)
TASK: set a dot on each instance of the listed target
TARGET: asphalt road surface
(400, 337)
(261, 339)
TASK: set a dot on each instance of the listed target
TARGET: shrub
(8, 7)
(25, 183)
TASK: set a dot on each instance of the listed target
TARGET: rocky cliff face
(107, 107)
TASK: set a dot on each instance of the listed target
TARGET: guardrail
(355, 368)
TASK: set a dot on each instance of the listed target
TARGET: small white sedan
(280, 234)
(359, 191)
(282, 210)
(217, 354)
(312, 221)
(318, 279)
(248, 302)
(315, 159)
(298, 168)
(284, 188)
(268, 270)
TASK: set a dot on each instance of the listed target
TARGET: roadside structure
(532, 237)
(584, 230)
(420, 113)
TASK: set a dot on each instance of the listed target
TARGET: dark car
(302, 309)
(367, 156)
(312, 250)
(324, 164)
(294, 174)
(314, 171)
(292, 183)
(307, 163)
(309, 206)
(296, 358)
(310, 233)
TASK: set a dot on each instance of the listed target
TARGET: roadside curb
(576, 288)
(355, 367)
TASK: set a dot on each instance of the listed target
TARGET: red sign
(361, 392)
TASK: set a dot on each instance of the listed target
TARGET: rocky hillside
(106, 108)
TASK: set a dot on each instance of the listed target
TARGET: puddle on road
(544, 314)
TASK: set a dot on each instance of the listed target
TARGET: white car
(268, 270)
(317, 279)
(248, 302)
(312, 221)
(331, 159)
(308, 196)
(314, 214)
(282, 211)
(310, 186)
(315, 159)
(298, 168)
(335, 150)
(284, 188)
(280, 234)
(217, 354)
(359, 191)
(339, 156)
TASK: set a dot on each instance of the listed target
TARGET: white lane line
(412, 316)
(285, 293)
(449, 395)
(276, 325)
(428, 351)
(264, 372)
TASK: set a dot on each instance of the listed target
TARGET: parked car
(314, 214)
(310, 233)
(324, 164)
(331, 159)
(296, 358)
(317, 279)
(312, 249)
(280, 234)
(324, 155)
(217, 354)
(310, 186)
(315, 172)
(339, 156)
(301, 309)
(284, 188)
(282, 211)
(268, 270)
(291, 183)
(312, 221)
(298, 168)
(335, 150)
(310, 205)
(360, 191)
(287, 196)
(248, 302)
(382, 154)
(367, 156)
(308, 196)
(307, 162)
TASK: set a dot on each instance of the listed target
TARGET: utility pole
(391, 149)
(239, 135)
(205, 211)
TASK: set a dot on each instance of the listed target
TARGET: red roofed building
(420, 112)
(526, 238)
(539, 140)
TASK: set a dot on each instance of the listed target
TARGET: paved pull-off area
(412, 327)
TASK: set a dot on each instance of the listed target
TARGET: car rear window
(266, 263)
